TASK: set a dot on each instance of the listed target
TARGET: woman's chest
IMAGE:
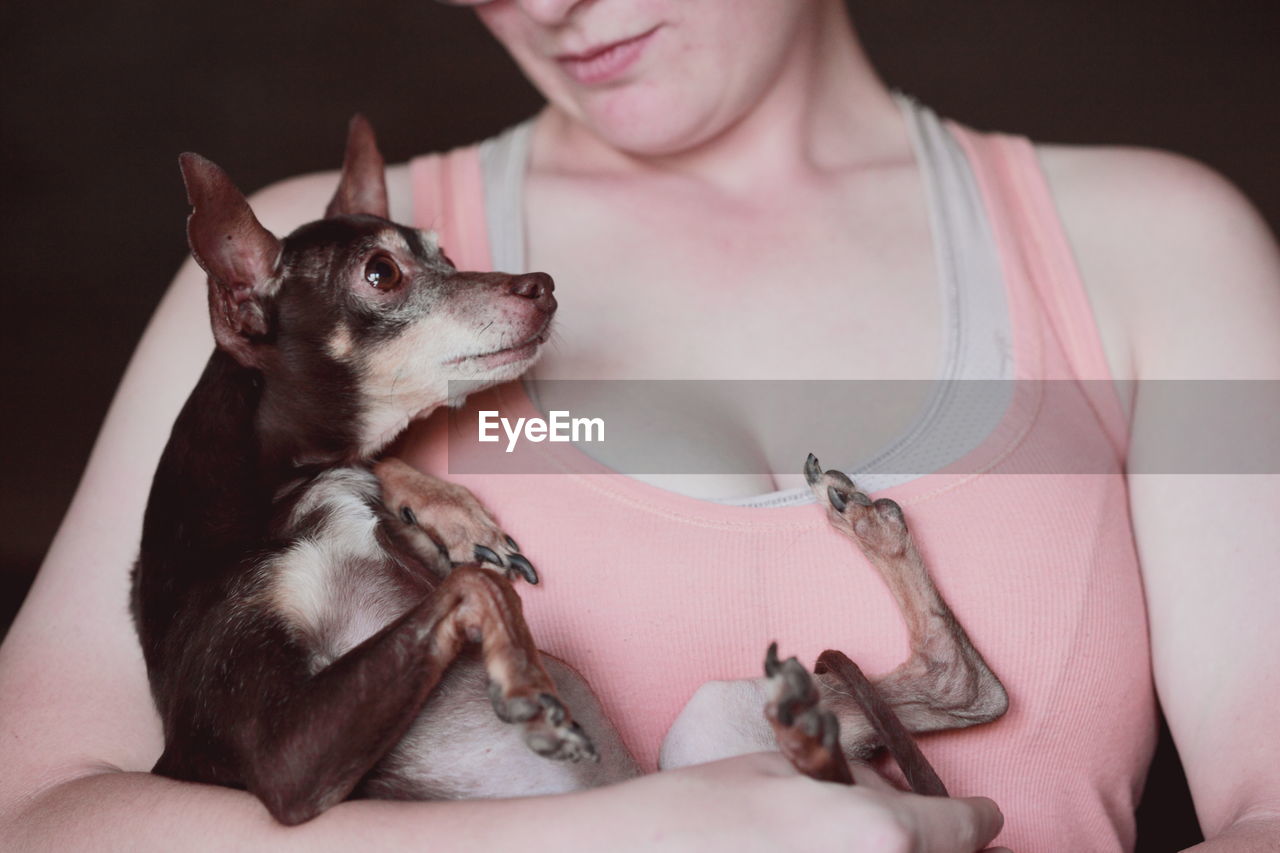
(762, 308)
(666, 282)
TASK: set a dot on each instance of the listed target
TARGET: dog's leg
(944, 683)
(435, 516)
(319, 736)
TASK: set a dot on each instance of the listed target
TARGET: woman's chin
(646, 120)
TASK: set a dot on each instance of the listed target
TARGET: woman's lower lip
(608, 64)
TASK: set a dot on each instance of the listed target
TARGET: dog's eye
(382, 272)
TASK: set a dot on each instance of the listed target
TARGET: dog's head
(357, 324)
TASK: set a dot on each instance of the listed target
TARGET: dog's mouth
(507, 355)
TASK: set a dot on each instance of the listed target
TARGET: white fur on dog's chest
(332, 584)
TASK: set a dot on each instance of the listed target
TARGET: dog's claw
(771, 664)
(794, 688)
(511, 543)
(487, 555)
(407, 515)
(839, 489)
(587, 749)
(838, 499)
(552, 708)
(841, 479)
(522, 565)
(812, 470)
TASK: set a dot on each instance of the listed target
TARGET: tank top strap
(448, 198)
(1036, 255)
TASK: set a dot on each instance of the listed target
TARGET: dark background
(99, 98)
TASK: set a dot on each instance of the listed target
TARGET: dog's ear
(240, 256)
(363, 188)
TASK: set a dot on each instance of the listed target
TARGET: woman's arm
(74, 698)
(1177, 257)
(753, 802)
(78, 730)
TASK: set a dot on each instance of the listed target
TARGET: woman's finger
(870, 777)
(949, 824)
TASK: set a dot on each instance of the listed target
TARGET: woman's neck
(826, 110)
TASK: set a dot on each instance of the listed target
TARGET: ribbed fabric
(650, 593)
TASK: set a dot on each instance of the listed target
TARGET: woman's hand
(760, 802)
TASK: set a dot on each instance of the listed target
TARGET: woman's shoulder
(1170, 252)
(1147, 196)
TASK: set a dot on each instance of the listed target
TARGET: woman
(693, 156)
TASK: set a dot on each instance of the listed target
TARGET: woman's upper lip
(593, 52)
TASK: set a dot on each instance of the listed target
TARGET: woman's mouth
(607, 62)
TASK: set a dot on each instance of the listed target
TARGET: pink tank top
(649, 593)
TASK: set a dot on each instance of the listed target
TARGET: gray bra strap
(968, 261)
(503, 160)
(961, 412)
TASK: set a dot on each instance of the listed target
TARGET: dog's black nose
(537, 286)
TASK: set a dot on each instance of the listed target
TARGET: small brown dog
(316, 628)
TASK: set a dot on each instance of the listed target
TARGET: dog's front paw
(450, 517)
(504, 553)
(878, 527)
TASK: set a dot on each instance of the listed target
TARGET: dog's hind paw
(808, 734)
(549, 730)
(554, 735)
(878, 527)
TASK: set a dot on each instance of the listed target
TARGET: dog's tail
(917, 770)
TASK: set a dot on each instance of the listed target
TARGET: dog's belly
(335, 585)
(458, 749)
